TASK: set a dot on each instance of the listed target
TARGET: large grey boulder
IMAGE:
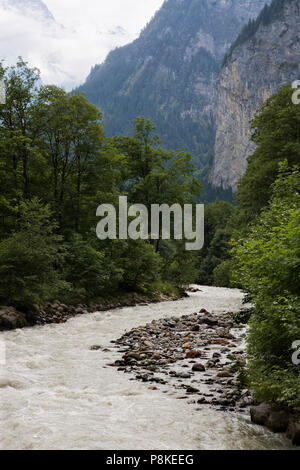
(10, 319)
(271, 416)
(293, 432)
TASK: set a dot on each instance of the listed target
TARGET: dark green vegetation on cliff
(57, 167)
(269, 14)
(168, 74)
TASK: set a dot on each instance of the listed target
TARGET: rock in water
(225, 374)
(293, 433)
(11, 319)
(192, 354)
(198, 368)
(271, 416)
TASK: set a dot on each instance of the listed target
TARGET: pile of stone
(196, 356)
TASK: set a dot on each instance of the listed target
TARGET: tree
(140, 264)
(267, 263)
(218, 231)
(19, 155)
(57, 167)
(29, 259)
(71, 139)
(154, 175)
(87, 271)
(277, 136)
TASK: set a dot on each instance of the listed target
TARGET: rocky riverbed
(199, 356)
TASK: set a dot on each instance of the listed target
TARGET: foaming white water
(57, 394)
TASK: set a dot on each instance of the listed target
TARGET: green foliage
(19, 156)
(154, 175)
(179, 266)
(242, 378)
(28, 258)
(266, 256)
(141, 266)
(277, 135)
(243, 316)
(216, 249)
(222, 274)
(268, 266)
(86, 270)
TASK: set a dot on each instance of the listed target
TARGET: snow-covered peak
(35, 9)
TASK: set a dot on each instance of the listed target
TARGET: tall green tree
(19, 154)
(29, 258)
(276, 132)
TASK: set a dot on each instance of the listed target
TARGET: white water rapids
(57, 394)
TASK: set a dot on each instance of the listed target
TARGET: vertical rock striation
(263, 59)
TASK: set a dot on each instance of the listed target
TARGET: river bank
(57, 312)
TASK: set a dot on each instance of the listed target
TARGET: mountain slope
(265, 57)
(169, 72)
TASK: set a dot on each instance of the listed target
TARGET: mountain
(169, 73)
(32, 8)
(265, 56)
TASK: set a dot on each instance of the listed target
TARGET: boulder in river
(271, 416)
(208, 320)
(192, 354)
(225, 374)
(10, 319)
(198, 368)
(293, 432)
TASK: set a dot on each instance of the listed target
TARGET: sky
(83, 33)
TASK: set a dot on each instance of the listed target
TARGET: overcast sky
(85, 31)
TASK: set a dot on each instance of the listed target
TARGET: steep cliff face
(169, 72)
(256, 67)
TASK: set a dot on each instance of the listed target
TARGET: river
(57, 394)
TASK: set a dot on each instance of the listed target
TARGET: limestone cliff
(256, 67)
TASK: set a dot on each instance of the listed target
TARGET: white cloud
(84, 32)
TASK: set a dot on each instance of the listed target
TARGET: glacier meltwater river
(57, 394)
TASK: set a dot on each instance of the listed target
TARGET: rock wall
(254, 71)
